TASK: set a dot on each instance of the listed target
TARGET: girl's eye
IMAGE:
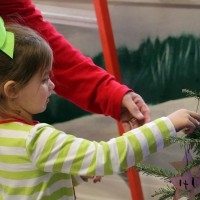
(45, 80)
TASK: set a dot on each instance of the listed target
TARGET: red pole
(112, 66)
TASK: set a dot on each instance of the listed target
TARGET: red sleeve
(76, 77)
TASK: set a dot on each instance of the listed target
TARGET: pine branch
(155, 171)
(197, 196)
(191, 141)
(194, 140)
(197, 149)
(190, 165)
(194, 135)
(185, 140)
(191, 93)
(166, 193)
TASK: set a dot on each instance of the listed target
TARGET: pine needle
(190, 165)
(155, 171)
(165, 193)
(184, 140)
(190, 93)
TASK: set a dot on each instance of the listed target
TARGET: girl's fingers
(97, 179)
(195, 116)
(193, 123)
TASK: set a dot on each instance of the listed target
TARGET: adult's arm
(76, 77)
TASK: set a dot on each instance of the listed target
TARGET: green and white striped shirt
(39, 162)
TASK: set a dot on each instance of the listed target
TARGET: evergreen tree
(186, 181)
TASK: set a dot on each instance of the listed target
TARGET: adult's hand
(135, 112)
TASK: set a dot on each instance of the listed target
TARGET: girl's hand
(185, 119)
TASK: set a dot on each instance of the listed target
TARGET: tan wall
(132, 21)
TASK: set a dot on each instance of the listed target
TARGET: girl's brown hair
(31, 54)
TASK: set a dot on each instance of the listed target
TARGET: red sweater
(76, 77)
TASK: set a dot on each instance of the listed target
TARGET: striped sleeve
(54, 151)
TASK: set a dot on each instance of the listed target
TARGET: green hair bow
(6, 40)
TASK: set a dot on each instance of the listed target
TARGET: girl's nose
(51, 85)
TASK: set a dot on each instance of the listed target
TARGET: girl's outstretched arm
(54, 151)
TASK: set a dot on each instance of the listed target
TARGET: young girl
(36, 160)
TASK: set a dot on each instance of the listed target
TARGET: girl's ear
(10, 89)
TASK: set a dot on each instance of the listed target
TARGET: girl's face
(33, 98)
